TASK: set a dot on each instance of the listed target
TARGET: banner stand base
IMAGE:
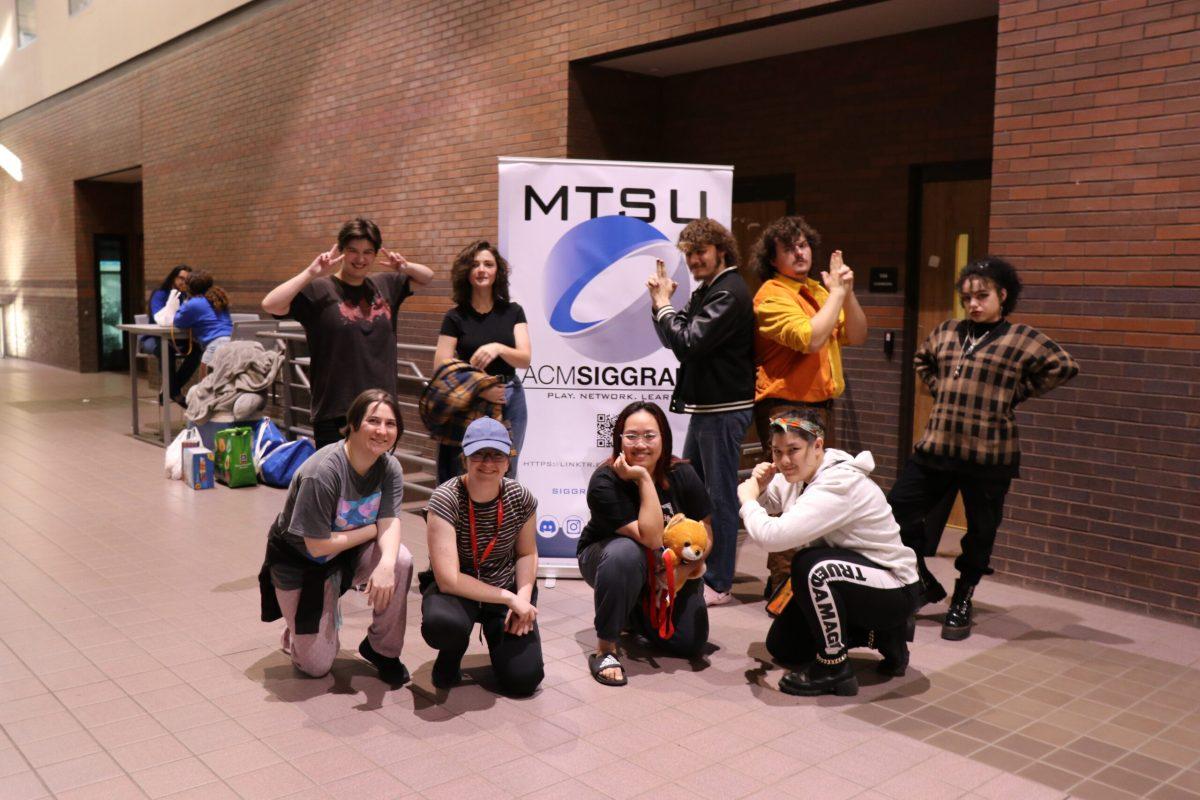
(551, 569)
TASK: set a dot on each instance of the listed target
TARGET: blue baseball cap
(485, 433)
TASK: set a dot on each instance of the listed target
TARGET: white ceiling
(872, 21)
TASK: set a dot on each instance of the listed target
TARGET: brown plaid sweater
(975, 393)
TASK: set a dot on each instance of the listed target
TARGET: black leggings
(837, 596)
(616, 569)
(187, 366)
(446, 624)
(919, 489)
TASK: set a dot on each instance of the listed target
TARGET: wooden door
(954, 231)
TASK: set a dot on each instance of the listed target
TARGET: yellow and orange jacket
(786, 369)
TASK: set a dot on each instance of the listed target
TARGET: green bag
(235, 457)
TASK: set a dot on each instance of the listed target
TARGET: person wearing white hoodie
(854, 582)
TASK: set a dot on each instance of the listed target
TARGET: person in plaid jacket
(978, 370)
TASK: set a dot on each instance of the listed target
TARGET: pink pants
(313, 653)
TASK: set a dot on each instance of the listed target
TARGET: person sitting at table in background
(483, 550)
(205, 315)
(340, 527)
(631, 497)
(349, 319)
(175, 283)
(486, 329)
(854, 582)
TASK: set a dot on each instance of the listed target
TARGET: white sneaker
(714, 598)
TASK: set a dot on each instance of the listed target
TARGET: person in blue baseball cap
(483, 553)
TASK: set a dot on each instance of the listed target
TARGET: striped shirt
(976, 389)
(449, 501)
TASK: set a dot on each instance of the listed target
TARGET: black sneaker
(446, 676)
(391, 670)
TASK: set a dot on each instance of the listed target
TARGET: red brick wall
(1096, 195)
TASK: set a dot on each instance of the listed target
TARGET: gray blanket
(238, 368)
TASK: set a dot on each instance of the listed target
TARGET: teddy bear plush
(686, 538)
(685, 541)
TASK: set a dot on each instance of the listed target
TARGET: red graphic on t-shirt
(365, 311)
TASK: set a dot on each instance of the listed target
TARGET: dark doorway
(948, 227)
(757, 202)
(109, 269)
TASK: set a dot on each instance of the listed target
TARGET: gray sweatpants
(313, 653)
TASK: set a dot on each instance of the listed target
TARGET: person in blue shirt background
(176, 280)
(206, 315)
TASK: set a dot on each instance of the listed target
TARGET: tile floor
(133, 664)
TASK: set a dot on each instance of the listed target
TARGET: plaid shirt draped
(974, 395)
(451, 401)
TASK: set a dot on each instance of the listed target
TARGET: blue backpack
(275, 458)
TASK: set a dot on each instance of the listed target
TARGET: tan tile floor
(133, 664)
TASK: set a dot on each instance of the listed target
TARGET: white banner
(582, 238)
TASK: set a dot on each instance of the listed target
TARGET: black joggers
(920, 488)
(838, 595)
(446, 625)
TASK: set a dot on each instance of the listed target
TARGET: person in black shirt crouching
(630, 497)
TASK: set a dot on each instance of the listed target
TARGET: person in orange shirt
(800, 329)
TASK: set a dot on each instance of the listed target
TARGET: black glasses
(487, 457)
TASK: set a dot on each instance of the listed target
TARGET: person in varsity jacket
(979, 369)
(713, 338)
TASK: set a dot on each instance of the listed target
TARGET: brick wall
(1096, 195)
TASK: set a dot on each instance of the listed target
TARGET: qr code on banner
(604, 430)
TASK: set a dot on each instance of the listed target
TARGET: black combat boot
(823, 676)
(958, 619)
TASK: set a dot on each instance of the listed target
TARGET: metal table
(163, 332)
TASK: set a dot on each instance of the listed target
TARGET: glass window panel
(26, 22)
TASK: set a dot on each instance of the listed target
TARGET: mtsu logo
(595, 281)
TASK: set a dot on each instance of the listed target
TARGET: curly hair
(200, 284)
(785, 231)
(702, 232)
(359, 228)
(464, 262)
(998, 273)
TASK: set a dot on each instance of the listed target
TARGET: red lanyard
(487, 551)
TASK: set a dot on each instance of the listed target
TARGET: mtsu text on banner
(582, 238)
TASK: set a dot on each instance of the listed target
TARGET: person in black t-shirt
(630, 497)
(488, 330)
(349, 318)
